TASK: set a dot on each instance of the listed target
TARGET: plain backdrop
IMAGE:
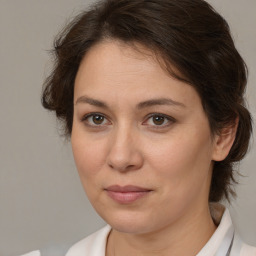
(42, 204)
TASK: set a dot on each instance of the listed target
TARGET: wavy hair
(187, 35)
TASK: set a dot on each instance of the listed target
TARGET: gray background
(42, 204)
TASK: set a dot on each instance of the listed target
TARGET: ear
(224, 141)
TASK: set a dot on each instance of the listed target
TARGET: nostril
(130, 166)
(125, 158)
(124, 169)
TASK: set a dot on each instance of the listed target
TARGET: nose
(124, 151)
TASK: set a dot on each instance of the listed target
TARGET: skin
(127, 146)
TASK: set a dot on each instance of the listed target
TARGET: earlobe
(224, 141)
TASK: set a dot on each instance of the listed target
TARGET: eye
(95, 119)
(159, 120)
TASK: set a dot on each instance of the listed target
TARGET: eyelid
(87, 116)
(169, 118)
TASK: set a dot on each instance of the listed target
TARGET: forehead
(120, 70)
(115, 59)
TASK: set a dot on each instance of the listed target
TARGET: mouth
(126, 194)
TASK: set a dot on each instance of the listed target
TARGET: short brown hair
(189, 36)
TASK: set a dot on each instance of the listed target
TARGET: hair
(190, 37)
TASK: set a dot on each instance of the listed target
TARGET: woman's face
(141, 140)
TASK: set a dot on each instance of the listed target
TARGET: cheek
(183, 161)
(89, 158)
(88, 155)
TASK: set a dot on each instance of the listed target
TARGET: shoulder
(242, 249)
(92, 245)
(248, 250)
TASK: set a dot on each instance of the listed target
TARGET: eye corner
(88, 120)
(167, 120)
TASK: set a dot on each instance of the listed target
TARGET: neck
(172, 240)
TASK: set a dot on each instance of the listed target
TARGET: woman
(151, 94)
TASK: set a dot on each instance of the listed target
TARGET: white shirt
(224, 241)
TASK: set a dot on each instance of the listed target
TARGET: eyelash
(170, 120)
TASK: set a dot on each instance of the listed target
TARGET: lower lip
(127, 197)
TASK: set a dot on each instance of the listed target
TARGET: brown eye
(97, 119)
(158, 120)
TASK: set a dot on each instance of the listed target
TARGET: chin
(130, 228)
(130, 223)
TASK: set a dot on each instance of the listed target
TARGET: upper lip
(127, 188)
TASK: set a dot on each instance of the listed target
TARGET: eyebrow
(159, 101)
(141, 105)
(91, 101)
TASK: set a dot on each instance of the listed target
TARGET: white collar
(218, 245)
(221, 240)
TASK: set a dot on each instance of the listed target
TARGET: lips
(126, 194)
